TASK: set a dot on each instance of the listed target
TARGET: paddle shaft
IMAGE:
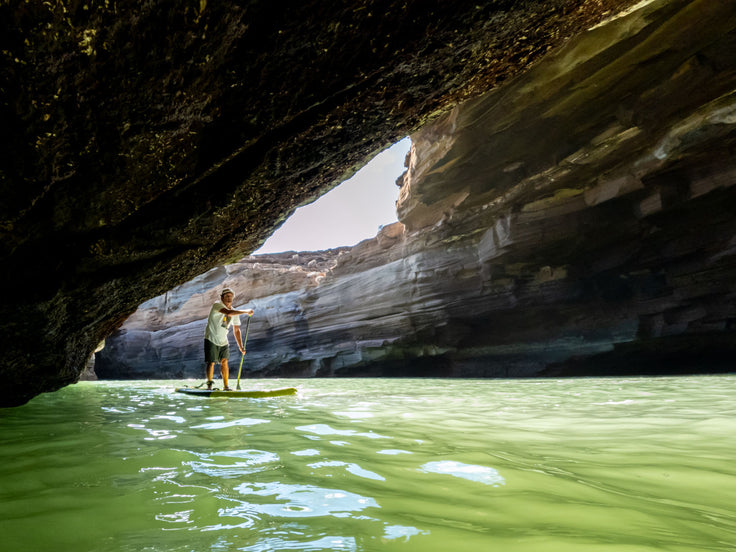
(247, 326)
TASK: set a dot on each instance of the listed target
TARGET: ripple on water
(479, 474)
(233, 463)
(241, 422)
(281, 500)
(306, 452)
(324, 429)
(355, 469)
(335, 543)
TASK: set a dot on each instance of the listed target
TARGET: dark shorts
(215, 353)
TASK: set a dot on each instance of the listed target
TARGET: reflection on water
(481, 474)
(539, 465)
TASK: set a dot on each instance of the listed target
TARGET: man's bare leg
(210, 374)
(225, 371)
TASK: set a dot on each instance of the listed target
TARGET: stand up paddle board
(252, 393)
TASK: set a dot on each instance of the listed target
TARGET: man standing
(216, 346)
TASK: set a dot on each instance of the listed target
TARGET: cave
(568, 199)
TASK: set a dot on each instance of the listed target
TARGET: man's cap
(226, 290)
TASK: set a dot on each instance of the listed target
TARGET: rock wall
(146, 143)
(578, 220)
(593, 200)
(163, 338)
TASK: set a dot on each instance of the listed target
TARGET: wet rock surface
(578, 220)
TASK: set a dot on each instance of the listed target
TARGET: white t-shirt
(218, 324)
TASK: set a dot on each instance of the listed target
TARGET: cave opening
(162, 336)
(349, 213)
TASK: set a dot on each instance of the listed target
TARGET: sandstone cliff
(146, 143)
(578, 220)
(163, 338)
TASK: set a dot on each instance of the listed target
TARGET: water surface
(594, 465)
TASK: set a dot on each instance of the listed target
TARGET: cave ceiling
(145, 143)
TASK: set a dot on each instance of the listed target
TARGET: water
(624, 465)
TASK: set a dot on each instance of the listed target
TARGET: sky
(350, 212)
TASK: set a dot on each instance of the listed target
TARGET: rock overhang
(144, 144)
(591, 240)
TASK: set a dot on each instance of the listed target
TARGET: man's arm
(231, 312)
(238, 339)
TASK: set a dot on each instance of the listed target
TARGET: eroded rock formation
(163, 338)
(145, 143)
(578, 220)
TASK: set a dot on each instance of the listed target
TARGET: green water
(624, 465)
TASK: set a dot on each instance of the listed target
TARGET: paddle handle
(245, 339)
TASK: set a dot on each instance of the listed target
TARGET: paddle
(247, 325)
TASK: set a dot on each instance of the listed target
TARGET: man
(216, 346)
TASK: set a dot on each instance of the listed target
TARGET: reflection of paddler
(216, 347)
